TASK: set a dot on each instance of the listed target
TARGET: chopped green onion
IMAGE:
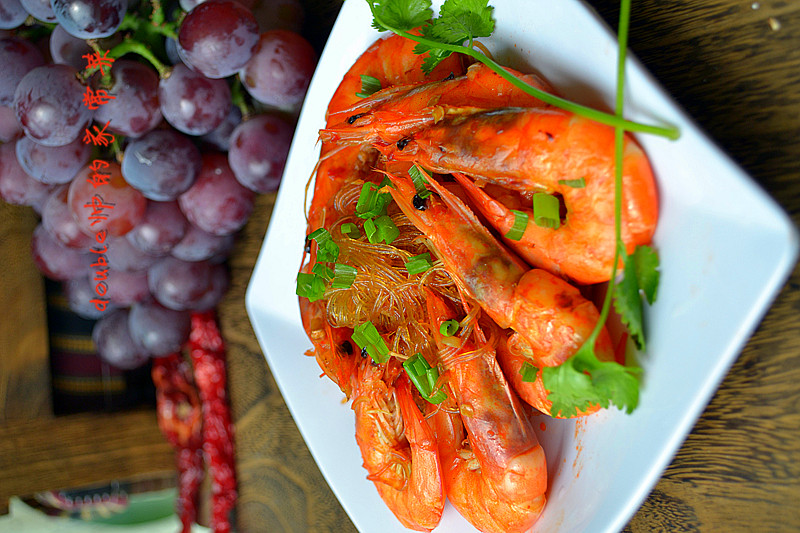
(579, 183)
(327, 250)
(418, 176)
(518, 229)
(419, 263)
(366, 336)
(344, 276)
(369, 86)
(424, 378)
(386, 182)
(449, 328)
(528, 372)
(381, 229)
(371, 203)
(310, 286)
(370, 229)
(322, 271)
(351, 230)
(546, 210)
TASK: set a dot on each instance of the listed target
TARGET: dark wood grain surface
(734, 65)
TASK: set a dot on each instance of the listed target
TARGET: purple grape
(125, 288)
(280, 70)
(59, 222)
(52, 165)
(217, 38)
(90, 19)
(17, 58)
(67, 49)
(159, 330)
(40, 9)
(88, 201)
(16, 186)
(134, 110)
(162, 227)
(9, 127)
(114, 342)
(199, 245)
(12, 14)
(171, 49)
(192, 103)
(217, 203)
(179, 285)
(218, 287)
(161, 165)
(79, 293)
(48, 103)
(55, 260)
(125, 257)
(258, 152)
(220, 138)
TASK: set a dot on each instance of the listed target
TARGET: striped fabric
(81, 380)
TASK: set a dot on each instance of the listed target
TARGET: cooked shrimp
(398, 446)
(393, 113)
(391, 61)
(545, 150)
(503, 489)
(550, 318)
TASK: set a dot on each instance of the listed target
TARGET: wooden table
(734, 65)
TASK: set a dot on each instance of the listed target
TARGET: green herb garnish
(343, 276)
(419, 263)
(327, 250)
(546, 210)
(419, 177)
(372, 203)
(424, 378)
(579, 183)
(369, 86)
(516, 232)
(311, 286)
(449, 328)
(366, 336)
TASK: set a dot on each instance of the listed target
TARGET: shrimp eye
(353, 118)
(307, 247)
(346, 347)
(364, 353)
(402, 143)
(451, 76)
(420, 204)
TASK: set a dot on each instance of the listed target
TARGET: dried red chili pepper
(207, 352)
(180, 420)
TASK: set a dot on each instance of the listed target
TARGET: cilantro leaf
(646, 262)
(583, 380)
(461, 20)
(400, 14)
(458, 21)
(640, 277)
(570, 388)
(628, 303)
(616, 384)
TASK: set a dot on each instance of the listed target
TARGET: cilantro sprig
(461, 21)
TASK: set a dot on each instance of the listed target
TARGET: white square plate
(725, 248)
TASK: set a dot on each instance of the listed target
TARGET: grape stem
(130, 46)
(238, 98)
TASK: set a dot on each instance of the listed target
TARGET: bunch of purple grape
(140, 134)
